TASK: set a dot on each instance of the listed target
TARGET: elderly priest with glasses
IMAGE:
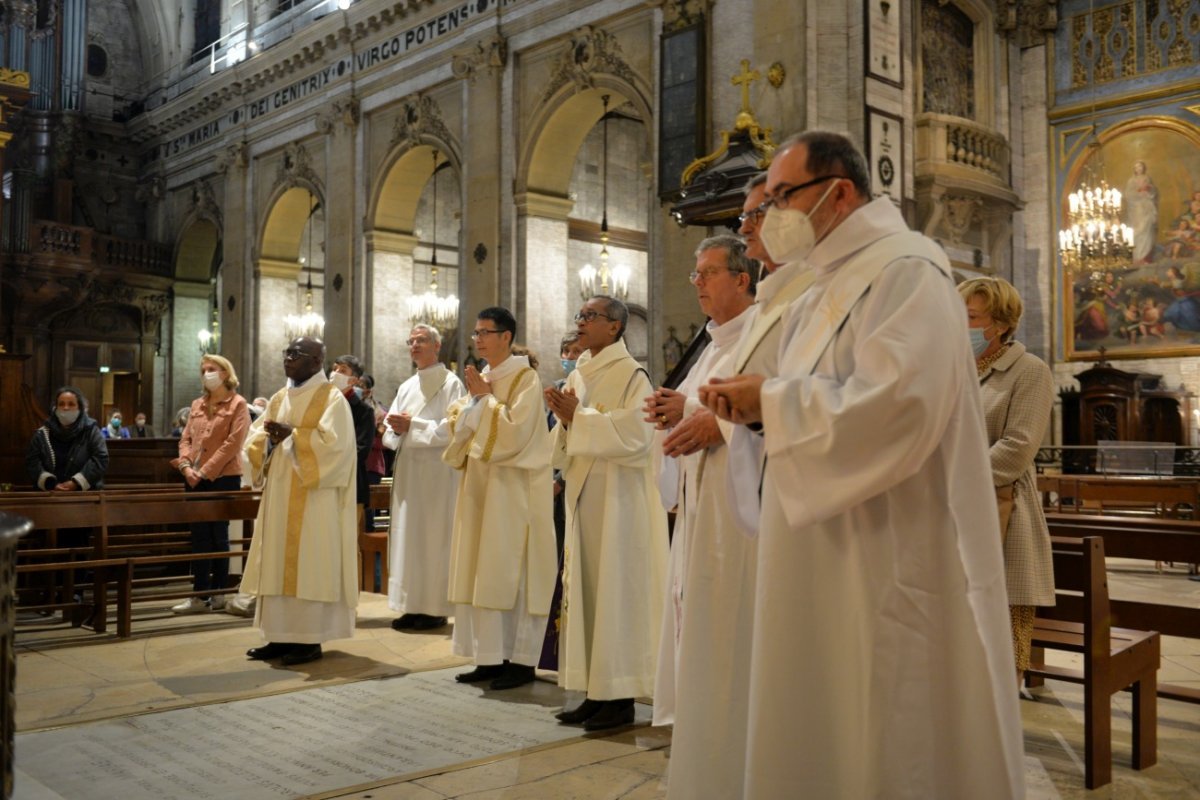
(303, 561)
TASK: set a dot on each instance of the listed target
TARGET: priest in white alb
(615, 555)
(702, 686)
(502, 554)
(302, 564)
(881, 663)
(424, 488)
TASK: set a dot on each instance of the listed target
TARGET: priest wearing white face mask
(881, 661)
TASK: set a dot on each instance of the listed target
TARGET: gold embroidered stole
(298, 496)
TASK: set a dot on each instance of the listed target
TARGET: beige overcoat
(1018, 396)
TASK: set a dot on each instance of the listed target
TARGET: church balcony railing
(957, 148)
(58, 243)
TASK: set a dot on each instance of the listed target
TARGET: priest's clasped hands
(477, 385)
(277, 431)
(563, 403)
(737, 399)
(665, 409)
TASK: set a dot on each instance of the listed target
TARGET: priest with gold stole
(502, 565)
(302, 564)
(615, 555)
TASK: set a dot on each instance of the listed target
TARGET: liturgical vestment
(881, 663)
(502, 553)
(424, 489)
(615, 555)
(303, 559)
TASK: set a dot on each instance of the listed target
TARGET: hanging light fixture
(605, 280)
(1094, 238)
(210, 338)
(430, 307)
(310, 323)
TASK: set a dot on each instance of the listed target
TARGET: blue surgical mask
(979, 341)
(358, 392)
(568, 365)
(67, 416)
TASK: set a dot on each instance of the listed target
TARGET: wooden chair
(1113, 658)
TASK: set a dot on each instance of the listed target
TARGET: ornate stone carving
(683, 13)
(23, 13)
(959, 212)
(153, 189)
(589, 51)
(294, 167)
(154, 307)
(490, 54)
(1030, 22)
(204, 203)
(419, 118)
(344, 111)
(233, 155)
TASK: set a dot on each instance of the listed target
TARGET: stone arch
(290, 207)
(198, 250)
(559, 127)
(409, 166)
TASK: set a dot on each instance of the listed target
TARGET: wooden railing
(85, 244)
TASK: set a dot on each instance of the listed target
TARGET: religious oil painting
(1145, 303)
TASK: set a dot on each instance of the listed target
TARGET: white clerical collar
(774, 283)
(317, 379)
(867, 225)
(730, 331)
(506, 367)
(436, 366)
(431, 379)
(588, 364)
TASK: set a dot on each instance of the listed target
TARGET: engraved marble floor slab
(289, 745)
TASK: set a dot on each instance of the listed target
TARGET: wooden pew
(1178, 497)
(1150, 538)
(107, 511)
(374, 543)
(1113, 658)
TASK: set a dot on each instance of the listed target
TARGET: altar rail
(1096, 460)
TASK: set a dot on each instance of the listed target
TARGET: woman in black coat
(67, 453)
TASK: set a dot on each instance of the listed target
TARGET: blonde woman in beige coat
(1018, 395)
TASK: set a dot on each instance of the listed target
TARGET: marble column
(543, 304)
(341, 270)
(390, 255)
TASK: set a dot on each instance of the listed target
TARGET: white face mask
(67, 416)
(339, 379)
(788, 233)
(212, 380)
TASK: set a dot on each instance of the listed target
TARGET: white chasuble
(881, 663)
(615, 554)
(303, 560)
(424, 489)
(503, 539)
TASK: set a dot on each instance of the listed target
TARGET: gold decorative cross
(746, 77)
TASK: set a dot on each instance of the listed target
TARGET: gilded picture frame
(1149, 305)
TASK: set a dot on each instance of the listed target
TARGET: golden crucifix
(744, 79)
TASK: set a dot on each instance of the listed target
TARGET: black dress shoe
(514, 675)
(302, 654)
(614, 714)
(483, 672)
(581, 713)
(424, 622)
(269, 650)
(403, 622)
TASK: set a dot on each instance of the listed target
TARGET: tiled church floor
(67, 677)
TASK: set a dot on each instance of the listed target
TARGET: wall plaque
(882, 41)
(885, 153)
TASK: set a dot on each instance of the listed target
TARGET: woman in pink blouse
(210, 452)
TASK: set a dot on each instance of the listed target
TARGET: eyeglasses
(416, 340)
(705, 274)
(754, 215)
(482, 332)
(295, 352)
(781, 200)
(590, 316)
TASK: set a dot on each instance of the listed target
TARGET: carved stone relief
(490, 54)
(345, 112)
(419, 118)
(960, 212)
(1030, 22)
(683, 13)
(295, 167)
(203, 203)
(588, 51)
(234, 155)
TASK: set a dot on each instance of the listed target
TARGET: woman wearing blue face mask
(68, 452)
(1018, 395)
